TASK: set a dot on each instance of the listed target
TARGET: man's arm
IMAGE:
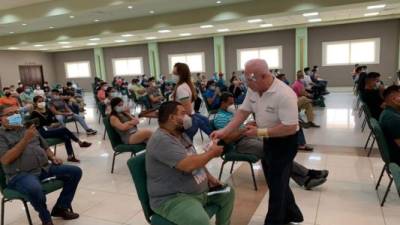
(15, 152)
(193, 162)
(238, 119)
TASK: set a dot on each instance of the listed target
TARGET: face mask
(45, 85)
(60, 90)
(114, 94)
(27, 91)
(231, 109)
(21, 85)
(56, 97)
(212, 88)
(15, 120)
(119, 109)
(105, 88)
(38, 88)
(41, 105)
(187, 122)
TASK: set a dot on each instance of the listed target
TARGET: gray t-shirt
(32, 160)
(164, 181)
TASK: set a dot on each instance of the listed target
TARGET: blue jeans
(199, 122)
(301, 139)
(61, 133)
(80, 119)
(30, 185)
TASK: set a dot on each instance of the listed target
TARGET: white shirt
(183, 92)
(307, 81)
(39, 92)
(277, 105)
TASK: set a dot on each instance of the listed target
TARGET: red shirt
(298, 88)
(11, 101)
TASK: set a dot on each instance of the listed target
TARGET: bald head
(257, 67)
(257, 75)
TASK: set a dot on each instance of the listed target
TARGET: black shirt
(373, 100)
(45, 119)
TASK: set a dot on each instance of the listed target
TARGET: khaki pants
(306, 104)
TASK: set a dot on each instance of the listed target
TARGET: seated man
(60, 109)
(303, 100)
(302, 176)
(25, 158)
(154, 93)
(212, 95)
(10, 100)
(390, 121)
(140, 92)
(177, 179)
(27, 96)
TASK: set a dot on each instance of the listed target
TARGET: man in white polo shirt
(275, 107)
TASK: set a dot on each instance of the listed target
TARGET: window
(77, 69)
(273, 56)
(195, 61)
(351, 52)
(128, 66)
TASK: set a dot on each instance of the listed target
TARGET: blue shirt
(210, 94)
(222, 118)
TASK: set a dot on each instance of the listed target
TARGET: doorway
(31, 75)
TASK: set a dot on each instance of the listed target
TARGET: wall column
(219, 55)
(301, 48)
(99, 63)
(154, 60)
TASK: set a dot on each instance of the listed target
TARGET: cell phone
(217, 188)
(31, 122)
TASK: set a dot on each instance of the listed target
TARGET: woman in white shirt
(185, 93)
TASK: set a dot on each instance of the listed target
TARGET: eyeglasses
(251, 78)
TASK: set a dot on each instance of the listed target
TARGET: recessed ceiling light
(219, 2)
(13, 48)
(371, 14)
(310, 14)
(164, 31)
(223, 30)
(24, 24)
(64, 42)
(130, 7)
(96, 20)
(11, 32)
(315, 20)
(255, 21)
(91, 44)
(66, 46)
(127, 35)
(119, 41)
(151, 38)
(376, 6)
(38, 45)
(151, 12)
(94, 39)
(51, 27)
(266, 25)
(71, 17)
(44, 49)
(185, 34)
(207, 26)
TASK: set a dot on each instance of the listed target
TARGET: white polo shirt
(277, 105)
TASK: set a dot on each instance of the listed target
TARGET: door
(31, 75)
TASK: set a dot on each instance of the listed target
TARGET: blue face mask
(15, 120)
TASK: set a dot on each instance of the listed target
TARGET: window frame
(77, 62)
(280, 52)
(377, 42)
(203, 66)
(127, 58)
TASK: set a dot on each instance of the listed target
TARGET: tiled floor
(348, 197)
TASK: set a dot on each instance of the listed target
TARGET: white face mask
(41, 105)
(231, 109)
(119, 109)
(187, 122)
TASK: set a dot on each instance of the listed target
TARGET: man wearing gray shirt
(177, 179)
(24, 157)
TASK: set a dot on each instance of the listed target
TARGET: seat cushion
(54, 141)
(236, 156)
(48, 187)
(130, 148)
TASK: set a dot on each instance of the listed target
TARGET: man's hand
(215, 149)
(30, 133)
(218, 134)
(56, 161)
(213, 182)
(251, 131)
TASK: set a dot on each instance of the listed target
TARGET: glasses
(251, 78)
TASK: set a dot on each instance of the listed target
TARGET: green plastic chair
(231, 155)
(10, 195)
(118, 146)
(395, 170)
(384, 152)
(208, 107)
(54, 142)
(137, 168)
(367, 120)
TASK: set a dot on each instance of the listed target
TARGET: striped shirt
(222, 118)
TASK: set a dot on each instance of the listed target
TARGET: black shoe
(306, 148)
(48, 223)
(298, 219)
(305, 125)
(91, 132)
(66, 214)
(314, 182)
(85, 144)
(318, 173)
(312, 124)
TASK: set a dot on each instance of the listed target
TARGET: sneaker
(85, 144)
(91, 132)
(314, 182)
(305, 125)
(66, 214)
(73, 159)
(312, 124)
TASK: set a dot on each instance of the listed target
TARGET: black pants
(280, 153)
(61, 133)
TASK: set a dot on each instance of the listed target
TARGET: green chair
(208, 107)
(137, 167)
(118, 146)
(231, 155)
(71, 120)
(102, 110)
(367, 120)
(395, 170)
(384, 152)
(54, 142)
(10, 195)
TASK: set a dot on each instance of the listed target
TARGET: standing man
(275, 107)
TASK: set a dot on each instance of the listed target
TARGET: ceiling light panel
(381, 6)
(310, 14)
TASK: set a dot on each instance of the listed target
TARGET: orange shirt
(9, 101)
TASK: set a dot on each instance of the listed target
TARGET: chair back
(102, 109)
(395, 171)
(137, 168)
(381, 140)
(3, 183)
(114, 137)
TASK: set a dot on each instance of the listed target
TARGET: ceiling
(59, 25)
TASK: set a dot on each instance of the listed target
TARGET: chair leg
(369, 137)
(149, 121)
(233, 164)
(113, 162)
(201, 135)
(387, 191)
(221, 170)
(372, 145)
(99, 118)
(28, 215)
(76, 126)
(254, 177)
(104, 134)
(380, 177)
(2, 210)
(55, 150)
(363, 124)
